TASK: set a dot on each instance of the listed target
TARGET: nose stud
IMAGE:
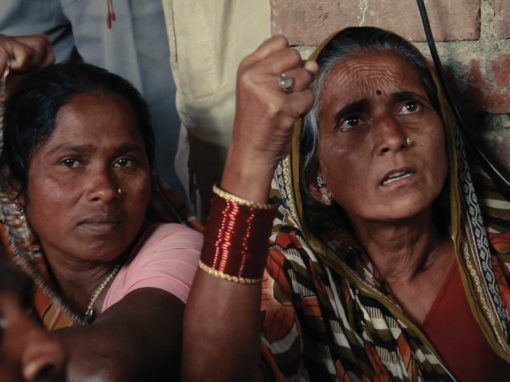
(409, 141)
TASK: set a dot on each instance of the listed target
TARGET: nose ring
(409, 141)
(119, 191)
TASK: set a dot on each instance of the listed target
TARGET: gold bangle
(243, 202)
(224, 276)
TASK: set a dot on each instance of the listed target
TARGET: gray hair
(344, 44)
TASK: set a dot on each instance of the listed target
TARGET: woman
(27, 351)
(79, 168)
(379, 267)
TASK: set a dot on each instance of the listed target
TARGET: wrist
(236, 240)
(248, 175)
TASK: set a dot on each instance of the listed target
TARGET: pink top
(166, 257)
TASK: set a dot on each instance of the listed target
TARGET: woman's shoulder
(166, 258)
(175, 235)
(166, 242)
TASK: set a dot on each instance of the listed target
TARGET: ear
(315, 190)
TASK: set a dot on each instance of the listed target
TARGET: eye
(410, 107)
(349, 122)
(70, 162)
(124, 162)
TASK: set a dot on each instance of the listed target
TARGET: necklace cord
(90, 313)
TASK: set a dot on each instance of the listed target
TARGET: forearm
(222, 321)
(137, 339)
(221, 331)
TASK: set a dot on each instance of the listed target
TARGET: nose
(102, 186)
(390, 134)
(44, 357)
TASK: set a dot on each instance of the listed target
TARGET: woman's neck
(78, 280)
(401, 250)
(412, 258)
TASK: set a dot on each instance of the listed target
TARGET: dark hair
(31, 110)
(344, 44)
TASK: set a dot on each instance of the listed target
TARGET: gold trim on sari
(337, 319)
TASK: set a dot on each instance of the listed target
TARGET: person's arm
(137, 339)
(138, 336)
(222, 319)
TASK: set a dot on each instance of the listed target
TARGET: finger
(269, 46)
(282, 61)
(43, 53)
(298, 104)
(302, 79)
(21, 57)
(311, 66)
(4, 63)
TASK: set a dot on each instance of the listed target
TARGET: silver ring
(285, 82)
(409, 141)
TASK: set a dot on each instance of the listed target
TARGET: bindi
(378, 92)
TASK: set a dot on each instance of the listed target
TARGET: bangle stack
(236, 240)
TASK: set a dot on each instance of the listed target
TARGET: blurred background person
(27, 352)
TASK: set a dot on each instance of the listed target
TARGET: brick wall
(473, 42)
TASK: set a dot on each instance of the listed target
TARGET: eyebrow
(353, 107)
(406, 95)
(85, 149)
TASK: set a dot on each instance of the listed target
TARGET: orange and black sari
(326, 314)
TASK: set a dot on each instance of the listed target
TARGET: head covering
(348, 319)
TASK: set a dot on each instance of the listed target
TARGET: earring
(409, 141)
(119, 191)
(20, 211)
(326, 195)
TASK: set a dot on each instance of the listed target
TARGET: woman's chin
(401, 210)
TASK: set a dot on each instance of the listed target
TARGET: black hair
(31, 110)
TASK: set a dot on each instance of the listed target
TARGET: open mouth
(394, 176)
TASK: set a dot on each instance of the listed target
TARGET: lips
(397, 175)
(101, 224)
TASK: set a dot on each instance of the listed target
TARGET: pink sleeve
(167, 260)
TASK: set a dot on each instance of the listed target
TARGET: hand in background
(23, 54)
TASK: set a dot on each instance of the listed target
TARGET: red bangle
(236, 241)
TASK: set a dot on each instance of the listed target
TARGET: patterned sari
(327, 315)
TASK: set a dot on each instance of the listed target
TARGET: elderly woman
(78, 167)
(27, 351)
(379, 266)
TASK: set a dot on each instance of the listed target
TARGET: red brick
(502, 18)
(501, 70)
(488, 85)
(307, 22)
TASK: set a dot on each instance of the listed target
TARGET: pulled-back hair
(347, 43)
(31, 110)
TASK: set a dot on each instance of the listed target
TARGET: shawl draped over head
(22, 246)
(326, 315)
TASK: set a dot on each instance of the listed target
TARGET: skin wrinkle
(363, 138)
(354, 162)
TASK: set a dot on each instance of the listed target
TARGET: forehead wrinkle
(364, 75)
